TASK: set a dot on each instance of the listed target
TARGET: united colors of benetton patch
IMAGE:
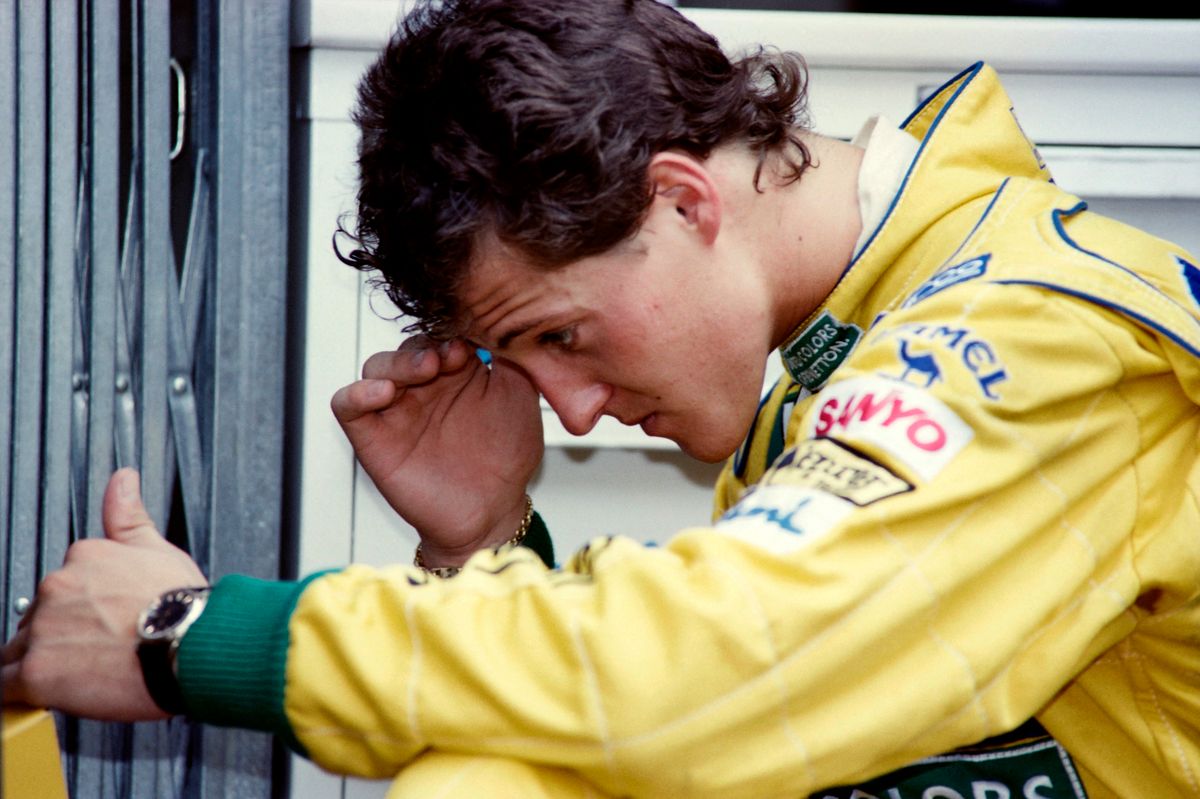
(813, 355)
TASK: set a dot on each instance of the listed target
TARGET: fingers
(13, 651)
(418, 360)
(358, 399)
(125, 517)
(404, 367)
(16, 647)
(14, 687)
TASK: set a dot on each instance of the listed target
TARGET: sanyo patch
(826, 465)
(901, 420)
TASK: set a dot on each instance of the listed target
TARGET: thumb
(125, 517)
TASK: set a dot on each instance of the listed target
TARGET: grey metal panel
(251, 182)
(8, 280)
(62, 185)
(251, 282)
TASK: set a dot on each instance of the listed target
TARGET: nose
(577, 400)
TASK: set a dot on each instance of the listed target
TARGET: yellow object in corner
(32, 766)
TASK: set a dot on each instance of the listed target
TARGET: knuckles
(57, 584)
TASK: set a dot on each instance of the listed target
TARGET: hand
(450, 443)
(76, 647)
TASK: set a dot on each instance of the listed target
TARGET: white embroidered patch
(782, 518)
(826, 465)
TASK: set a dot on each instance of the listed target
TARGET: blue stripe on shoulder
(974, 68)
(1132, 314)
(1060, 215)
(972, 71)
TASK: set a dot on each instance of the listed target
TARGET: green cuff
(232, 663)
(538, 539)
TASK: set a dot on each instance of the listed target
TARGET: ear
(687, 188)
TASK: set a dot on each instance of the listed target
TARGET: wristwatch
(160, 629)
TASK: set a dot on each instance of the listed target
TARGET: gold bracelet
(450, 571)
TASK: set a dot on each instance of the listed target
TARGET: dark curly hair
(534, 122)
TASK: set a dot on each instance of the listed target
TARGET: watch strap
(161, 682)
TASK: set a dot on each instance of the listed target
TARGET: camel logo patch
(923, 349)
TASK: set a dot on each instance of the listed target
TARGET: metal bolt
(21, 605)
(122, 384)
(78, 382)
(179, 385)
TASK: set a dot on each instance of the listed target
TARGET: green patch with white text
(813, 355)
(1033, 769)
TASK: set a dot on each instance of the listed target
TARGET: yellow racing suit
(972, 501)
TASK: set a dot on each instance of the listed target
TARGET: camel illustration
(922, 363)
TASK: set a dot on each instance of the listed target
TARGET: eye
(563, 338)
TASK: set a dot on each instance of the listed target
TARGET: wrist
(510, 530)
(160, 628)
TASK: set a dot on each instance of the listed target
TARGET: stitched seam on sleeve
(417, 660)
(595, 696)
(1180, 754)
(789, 729)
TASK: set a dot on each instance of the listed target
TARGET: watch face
(161, 618)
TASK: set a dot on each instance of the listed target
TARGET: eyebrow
(508, 337)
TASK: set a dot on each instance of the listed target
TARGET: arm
(450, 442)
(803, 641)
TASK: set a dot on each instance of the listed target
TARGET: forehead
(501, 283)
(503, 289)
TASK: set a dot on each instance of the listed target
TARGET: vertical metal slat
(183, 320)
(104, 166)
(30, 301)
(8, 284)
(62, 184)
(156, 254)
(128, 315)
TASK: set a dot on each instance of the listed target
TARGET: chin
(707, 451)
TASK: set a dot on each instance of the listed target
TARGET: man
(969, 505)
